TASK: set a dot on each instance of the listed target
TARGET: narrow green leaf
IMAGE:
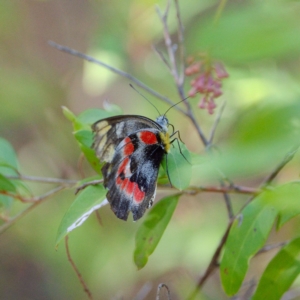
(247, 235)
(85, 140)
(178, 166)
(84, 120)
(87, 201)
(280, 273)
(152, 229)
(84, 137)
(6, 184)
(91, 116)
(68, 114)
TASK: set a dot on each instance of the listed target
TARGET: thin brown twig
(79, 276)
(38, 201)
(174, 73)
(42, 179)
(216, 123)
(99, 219)
(223, 189)
(161, 56)
(181, 48)
(84, 185)
(268, 180)
(227, 202)
(213, 263)
(288, 157)
(168, 42)
(271, 247)
(114, 70)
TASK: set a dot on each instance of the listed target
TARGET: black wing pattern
(132, 148)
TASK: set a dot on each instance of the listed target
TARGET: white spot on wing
(120, 128)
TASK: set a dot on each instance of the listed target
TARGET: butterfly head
(163, 122)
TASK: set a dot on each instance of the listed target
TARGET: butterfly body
(132, 148)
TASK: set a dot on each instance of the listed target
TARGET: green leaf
(178, 166)
(90, 199)
(6, 184)
(84, 120)
(262, 130)
(256, 220)
(85, 140)
(277, 21)
(247, 235)
(152, 229)
(280, 273)
(90, 116)
(83, 132)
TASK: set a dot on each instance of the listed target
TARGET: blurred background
(259, 44)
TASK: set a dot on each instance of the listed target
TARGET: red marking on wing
(123, 165)
(131, 188)
(138, 195)
(128, 148)
(148, 137)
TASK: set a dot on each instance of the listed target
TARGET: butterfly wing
(133, 150)
(111, 131)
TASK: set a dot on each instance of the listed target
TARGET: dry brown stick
(38, 201)
(84, 185)
(114, 70)
(181, 48)
(288, 157)
(79, 276)
(42, 179)
(271, 247)
(213, 263)
(174, 71)
(215, 125)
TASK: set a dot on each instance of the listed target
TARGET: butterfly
(132, 148)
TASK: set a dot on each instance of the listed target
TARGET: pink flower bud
(220, 70)
(202, 103)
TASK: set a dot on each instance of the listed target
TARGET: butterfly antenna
(145, 98)
(176, 104)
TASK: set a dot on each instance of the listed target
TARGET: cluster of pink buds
(208, 82)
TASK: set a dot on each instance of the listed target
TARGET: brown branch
(114, 70)
(168, 42)
(84, 185)
(42, 179)
(288, 157)
(271, 247)
(181, 48)
(232, 189)
(38, 201)
(215, 125)
(213, 263)
(174, 72)
(162, 57)
(79, 276)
